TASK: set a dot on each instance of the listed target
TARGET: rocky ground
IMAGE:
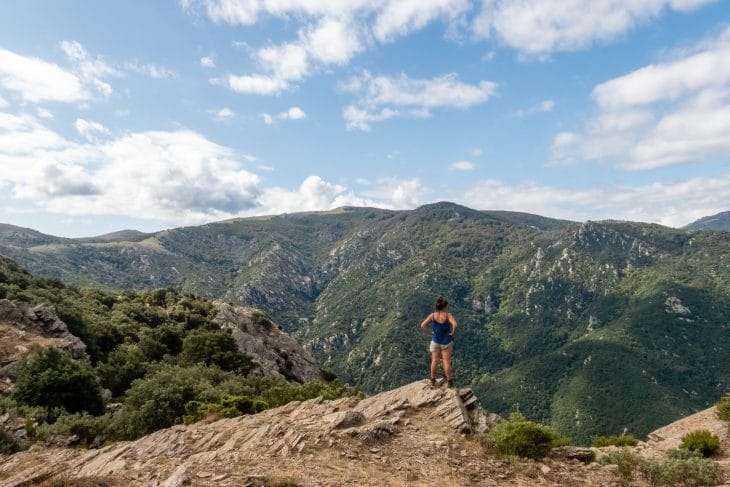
(414, 435)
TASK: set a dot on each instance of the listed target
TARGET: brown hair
(441, 304)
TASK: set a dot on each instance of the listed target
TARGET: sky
(152, 115)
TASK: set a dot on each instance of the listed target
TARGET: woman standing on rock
(442, 330)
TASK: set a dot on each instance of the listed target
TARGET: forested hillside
(595, 327)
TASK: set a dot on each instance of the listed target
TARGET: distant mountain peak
(719, 222)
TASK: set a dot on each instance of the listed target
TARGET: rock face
(276, 353)
(410, 434)
(22, 326)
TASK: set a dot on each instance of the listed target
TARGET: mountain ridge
(549, 309)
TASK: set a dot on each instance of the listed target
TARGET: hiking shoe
(432, 382)
(450, 384)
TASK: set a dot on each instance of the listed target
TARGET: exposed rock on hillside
(407, 435)
(274, 351)
(22, 326)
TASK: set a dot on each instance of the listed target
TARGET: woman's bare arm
(454, 324)
(425, 323)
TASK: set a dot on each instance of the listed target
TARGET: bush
(619, 440)
(723, 408)
(85, 426)
(626, 460)
(50, 378)
(8, 445)
(518, 436)
(124, 365)
(158, 401)
(681, 468)
(701, 441)
(227, 407)
(214, 348)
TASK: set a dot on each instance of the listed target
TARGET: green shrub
(227, 407)
(627, 461)
(8, 444)
(123, 365)
(683, 468)
(723, 408)
(50, 378)
(214, 348)
(619, 440)
(518, 436)
(158, 400)
(701, 441)
(85, 426)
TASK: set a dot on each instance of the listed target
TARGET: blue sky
(151, 115)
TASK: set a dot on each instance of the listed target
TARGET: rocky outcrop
(407, 435)
(22, 327)
(275, 352)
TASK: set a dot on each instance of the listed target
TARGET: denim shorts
(437, 347)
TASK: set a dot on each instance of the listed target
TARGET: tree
(51, 378)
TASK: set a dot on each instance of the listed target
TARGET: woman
(442, 330)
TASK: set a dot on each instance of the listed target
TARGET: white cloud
(179, 176)
(36, 80)
(672, 204)
(3, 102)
(294, 113)
(223, 115)
(207, 62)
(398, 18)
(333, 41)
(267, 118)
(476, 152)
(361, 118)
(664, 114)
(313, 194)
(462, 166)
(383, 97)
(148, 69)
(395, 193)
(543, 107)
(255, 85)
(43, 113)
(540, 27)
(90, 129)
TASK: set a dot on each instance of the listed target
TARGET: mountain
(562, 321)
(719, 222)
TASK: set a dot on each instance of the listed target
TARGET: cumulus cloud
(149, 69)
(90, 129)
(267, 118)
(3, 102)
(672, 204)
(36, 80)
(223, 115)
(664, 114)
(207, 62)
(462, 166)
(540, 27)
(179, 177)
(294, 113)
(384, 97)
(330, 33)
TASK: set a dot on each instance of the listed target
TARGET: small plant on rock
(701, 441)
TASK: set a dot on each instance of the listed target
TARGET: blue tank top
(440, 331)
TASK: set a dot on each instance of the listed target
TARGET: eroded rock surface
(410, 435)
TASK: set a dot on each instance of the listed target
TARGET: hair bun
(441, 303)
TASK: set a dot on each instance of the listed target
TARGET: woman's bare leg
(446, 355)
(435, 356)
